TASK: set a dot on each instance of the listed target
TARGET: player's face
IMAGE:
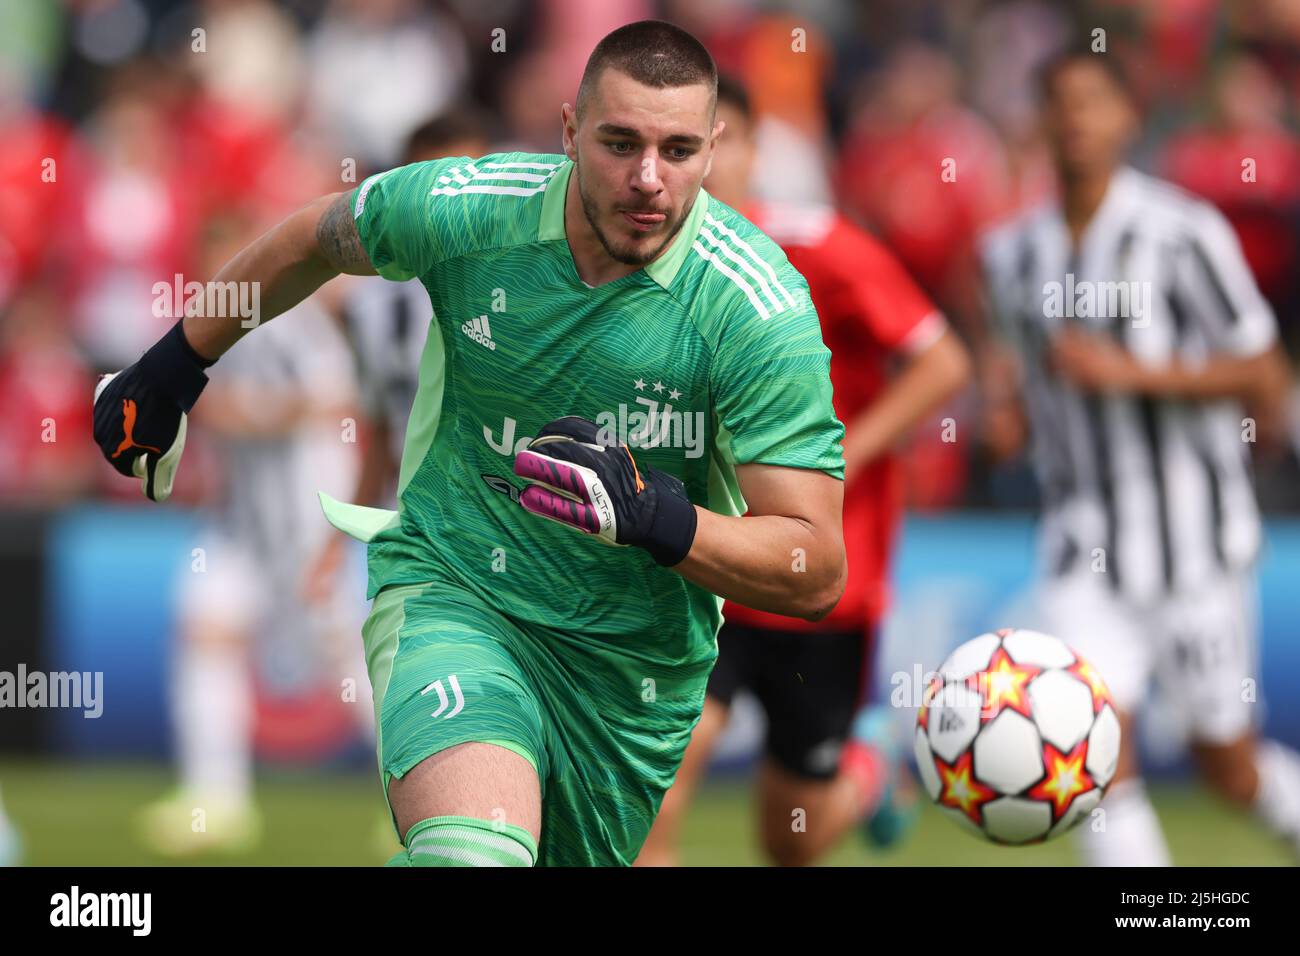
(733, 162)
(641, 154)
(1089, 120)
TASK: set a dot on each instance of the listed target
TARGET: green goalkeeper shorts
(605, 731)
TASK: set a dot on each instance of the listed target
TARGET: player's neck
(1081, 197)
(593, 264)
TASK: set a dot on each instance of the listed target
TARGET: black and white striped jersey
(1156, 491)
(270, 505)
(387, 324)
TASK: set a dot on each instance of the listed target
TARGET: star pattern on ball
(1066, 777)
(1003, 684)
(960, 790)
(1088, 674)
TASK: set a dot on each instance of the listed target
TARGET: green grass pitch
(77, 814)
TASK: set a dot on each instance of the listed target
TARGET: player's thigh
(1208, 664)
(479, 780)
(810, 684)
(446, 673)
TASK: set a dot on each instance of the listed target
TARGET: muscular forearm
(926, 381)
(767, 562)
(284, 265)
(1247, 379)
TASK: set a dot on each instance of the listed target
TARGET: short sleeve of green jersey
(772, 387)
(407, 222)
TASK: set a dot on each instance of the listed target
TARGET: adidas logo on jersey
(478, 329)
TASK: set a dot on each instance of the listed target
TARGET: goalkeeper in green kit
(612, 352)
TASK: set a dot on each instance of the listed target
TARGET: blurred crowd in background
(140, 135)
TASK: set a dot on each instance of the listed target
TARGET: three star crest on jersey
(658, 387)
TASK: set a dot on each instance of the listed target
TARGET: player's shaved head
(653, 53)
(641, 137)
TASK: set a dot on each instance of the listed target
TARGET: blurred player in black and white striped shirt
(249, 601)
(1148, 364)
(386, 323)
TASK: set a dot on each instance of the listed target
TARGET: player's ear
(569, 130)
(712, 147)
(708, 167)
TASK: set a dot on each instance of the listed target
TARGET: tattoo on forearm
(336, 234)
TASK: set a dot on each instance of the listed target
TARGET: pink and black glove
(580, 481)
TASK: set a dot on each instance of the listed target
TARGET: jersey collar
(664, 269)
(1122, 197)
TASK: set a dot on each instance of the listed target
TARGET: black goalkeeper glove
(140, 412)
(578, 480)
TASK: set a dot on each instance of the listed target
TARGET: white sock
(212, 708)
(1131, 834)
(1277, 802)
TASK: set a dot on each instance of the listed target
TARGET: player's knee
(1237, 788)
(660, 847)
(787, 844)
(787, 850)
(656, 855)
(468, 841)
(1232, 780)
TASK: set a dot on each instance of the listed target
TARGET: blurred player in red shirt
(1247, 162)
(925, 173)
(826, 753)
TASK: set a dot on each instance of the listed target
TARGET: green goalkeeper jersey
(708, 358)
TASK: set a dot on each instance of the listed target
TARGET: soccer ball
(1017, 737)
